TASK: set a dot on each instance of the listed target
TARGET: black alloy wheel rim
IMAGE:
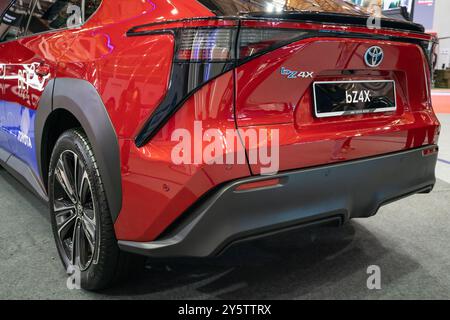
(74, 210)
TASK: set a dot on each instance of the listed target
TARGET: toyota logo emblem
(374, 56)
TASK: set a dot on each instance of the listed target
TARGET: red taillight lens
(255, 41)
(218, 44)
(205, 45)
(259, 184)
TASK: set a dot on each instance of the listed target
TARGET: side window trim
(83, 12)
(29, 19)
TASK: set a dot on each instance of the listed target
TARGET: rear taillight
(256, 41)
(205, 45)
(219, 44)
(204, 53)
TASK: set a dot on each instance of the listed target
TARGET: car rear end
(346, 100)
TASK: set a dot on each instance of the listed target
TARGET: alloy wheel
(74, 210)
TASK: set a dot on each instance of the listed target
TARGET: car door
(3, 138)
(12, 25)
(33, 65)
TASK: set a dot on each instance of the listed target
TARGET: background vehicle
(90, 98)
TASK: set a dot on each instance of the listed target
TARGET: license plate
(346, 98)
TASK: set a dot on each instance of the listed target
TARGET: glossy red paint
(132, 74)
(34, 52)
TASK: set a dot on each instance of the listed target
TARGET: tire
(80, 217)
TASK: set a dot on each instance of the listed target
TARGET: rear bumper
(330, 193)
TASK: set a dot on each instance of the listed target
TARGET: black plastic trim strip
(182, 86)
(134, 31)
(185, 80)
(73, 95)
(22, 172)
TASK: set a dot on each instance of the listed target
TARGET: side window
(55, 14)
(90, 7)
(14, 20)
(60, 14)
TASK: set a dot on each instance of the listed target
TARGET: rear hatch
(326, 86)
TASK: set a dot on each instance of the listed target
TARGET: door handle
(43, 70)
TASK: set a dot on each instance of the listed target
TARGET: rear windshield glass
(236, 7)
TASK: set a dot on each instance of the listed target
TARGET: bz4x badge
(291, 74)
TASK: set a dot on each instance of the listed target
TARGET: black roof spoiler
(336, 18)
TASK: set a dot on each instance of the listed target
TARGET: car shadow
(308, 264)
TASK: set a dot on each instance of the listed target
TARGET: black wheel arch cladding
(81, 99)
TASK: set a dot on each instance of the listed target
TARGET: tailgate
(275, 91)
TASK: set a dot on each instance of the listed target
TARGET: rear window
(237, 7)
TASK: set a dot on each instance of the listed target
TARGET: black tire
(81, 221)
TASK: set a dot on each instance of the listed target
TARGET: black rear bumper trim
(338, 192)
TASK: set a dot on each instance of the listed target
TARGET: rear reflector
(430, 151)
(259, 185)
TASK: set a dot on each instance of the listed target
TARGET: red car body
(126, 51)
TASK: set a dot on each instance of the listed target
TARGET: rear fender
(80, 98)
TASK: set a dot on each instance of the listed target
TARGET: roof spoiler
(337, 18)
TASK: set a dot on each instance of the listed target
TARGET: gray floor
(409, 240)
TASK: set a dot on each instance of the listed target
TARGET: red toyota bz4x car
(96, 98)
